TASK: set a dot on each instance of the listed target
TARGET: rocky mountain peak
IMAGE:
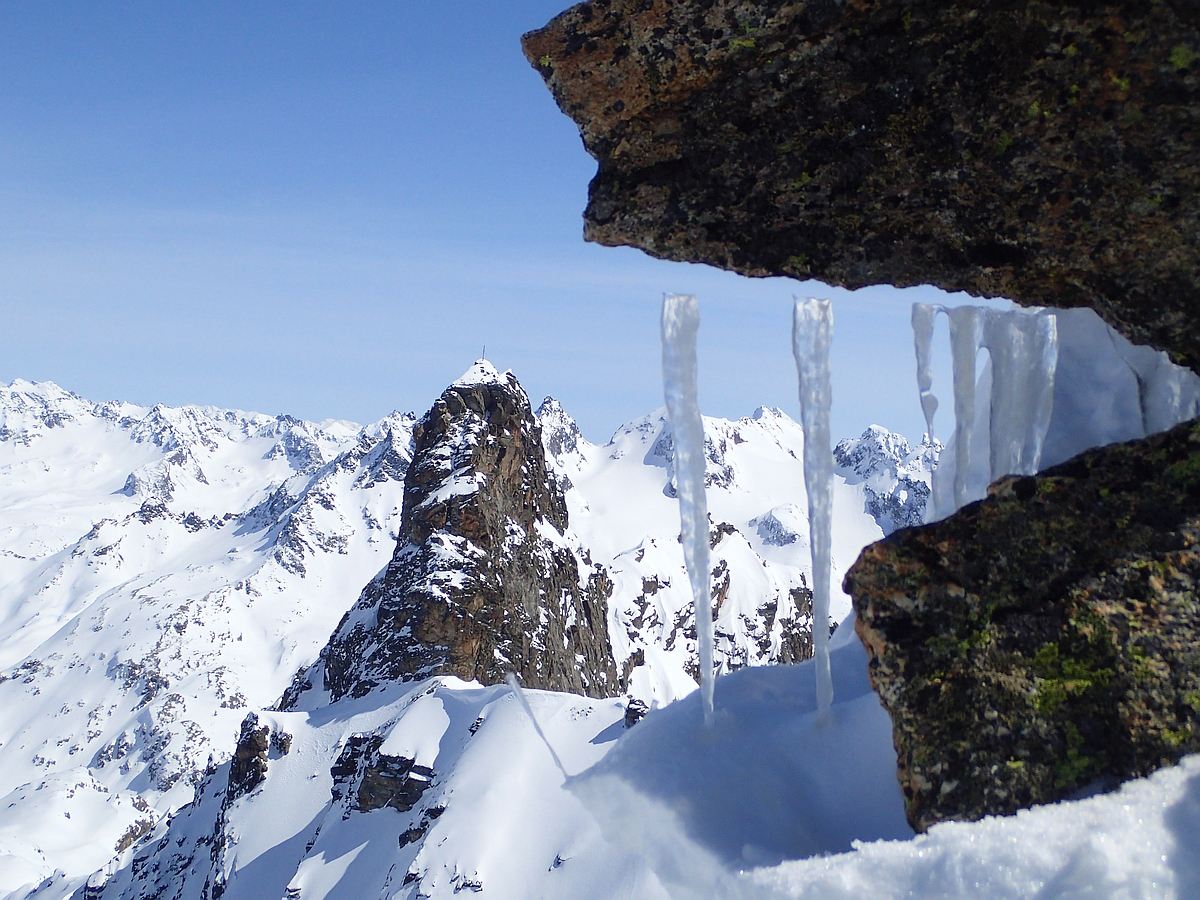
(479, 447)
(565, 446)
(876, 450)
(896, 478)
(484, 579)
(560, 432)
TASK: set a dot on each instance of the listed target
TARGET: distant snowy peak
(565, 446)
(895, 476)
(28, 408)
(188, 436)
(784, 525)
(34, 407)
(877, 450)
(719, 436)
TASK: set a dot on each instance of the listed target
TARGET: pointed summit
(483, 580)
(482, 372)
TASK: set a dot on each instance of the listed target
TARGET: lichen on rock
(1045, 641)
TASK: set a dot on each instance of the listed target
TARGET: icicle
(1018, 381)
(922, 325)
(964, 345)
(1024, 357)
(680, 322)
(812, 332)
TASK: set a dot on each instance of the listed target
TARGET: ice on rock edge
(812, 333)
(1022, 358)
(1056, 383)
(680, 322)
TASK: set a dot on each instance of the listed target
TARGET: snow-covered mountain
(166, 571)
(162, 571)
(896, 478)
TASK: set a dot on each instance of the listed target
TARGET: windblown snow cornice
(1041, 152)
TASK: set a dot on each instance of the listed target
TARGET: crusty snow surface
(163, 572)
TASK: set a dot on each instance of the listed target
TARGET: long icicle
(922, 326)
(680, 322)
(964, 345)
(812, 333)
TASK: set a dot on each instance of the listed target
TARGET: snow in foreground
(769, 804)
(770, 781)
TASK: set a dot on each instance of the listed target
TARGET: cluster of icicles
(1006, 420)
(1014, 420)
(812, 333)
(1023, 353)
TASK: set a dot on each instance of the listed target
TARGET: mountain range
(181, 585)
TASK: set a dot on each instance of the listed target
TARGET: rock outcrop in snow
(896, 479)
(484, 580)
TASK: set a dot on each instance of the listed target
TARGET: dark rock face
(483, 580)
(1045, 640)
(373, 780)
(249, 765)
(1041, 152)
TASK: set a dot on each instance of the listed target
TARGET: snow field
(144, 616)
(502, 824)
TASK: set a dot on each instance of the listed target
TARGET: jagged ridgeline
(483, 581)
(160, 599)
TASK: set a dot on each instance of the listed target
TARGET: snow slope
(161, 572)
(773, 803)
(495, 821)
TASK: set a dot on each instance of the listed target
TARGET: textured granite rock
(1045, 640)
(483, 580)
(1041, 152)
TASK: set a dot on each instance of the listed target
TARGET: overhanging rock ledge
(1041, 152)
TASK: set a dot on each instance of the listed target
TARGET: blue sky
(328, 209)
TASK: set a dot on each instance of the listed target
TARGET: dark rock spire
(483, 580)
